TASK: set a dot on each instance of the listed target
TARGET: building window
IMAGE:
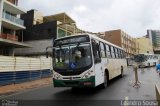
(61, 33)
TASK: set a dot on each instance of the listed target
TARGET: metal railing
(13, 18)
(9, 37)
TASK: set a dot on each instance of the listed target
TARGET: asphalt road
(118, 89)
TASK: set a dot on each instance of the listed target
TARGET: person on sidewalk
(158, 68)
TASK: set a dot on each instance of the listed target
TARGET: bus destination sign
(72, 39)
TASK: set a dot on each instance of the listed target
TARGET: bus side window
(122, 54)
(119, 54)
(116, 52)
(103, 51)
(112, 52)
(108, 51)
(96, 51)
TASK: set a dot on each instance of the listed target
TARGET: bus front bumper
(89, 82)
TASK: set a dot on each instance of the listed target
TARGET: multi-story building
(144, 45)
(42, 30)
(122, 39)
(154, 36)
(10, 24)
(137, 46)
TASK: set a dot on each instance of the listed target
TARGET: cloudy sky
(132, 16)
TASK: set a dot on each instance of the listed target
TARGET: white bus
(86, 61)
(150, 60)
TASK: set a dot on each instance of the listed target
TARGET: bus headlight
(88, 74)
(56, 76)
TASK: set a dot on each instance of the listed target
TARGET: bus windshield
(72, 57)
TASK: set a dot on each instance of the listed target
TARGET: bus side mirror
(46, 54)
(97, 60)
(49, 47)
(47, 51)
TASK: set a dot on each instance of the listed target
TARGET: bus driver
(81, 58)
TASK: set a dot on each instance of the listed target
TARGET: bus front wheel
(121, 71)
(105, 84)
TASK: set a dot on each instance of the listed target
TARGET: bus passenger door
(98, 72)
(97, 64)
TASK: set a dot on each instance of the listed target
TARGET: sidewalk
(9, 89)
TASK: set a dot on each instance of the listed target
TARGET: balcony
(9, 37)
(12, 22)
(8, 40)
(15, 2)
(13, 19)
(12, 8)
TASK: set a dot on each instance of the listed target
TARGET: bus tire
(122, 74)
(106, 79)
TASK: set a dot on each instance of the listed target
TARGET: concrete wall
(9, 64)
(41, 31)
(38, 17)
(28, 18)
(145, 45)
(37, 34)
(21, 69)
(38, 48)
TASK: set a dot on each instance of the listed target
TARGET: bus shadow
(98, 88)
(78, 92)
(85, 92)
(116, 80)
